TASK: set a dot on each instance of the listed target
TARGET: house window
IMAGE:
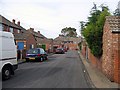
(31, 46)
(11, 29)
(18, 31)
(1, 27)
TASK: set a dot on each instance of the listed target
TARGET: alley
(59, 71)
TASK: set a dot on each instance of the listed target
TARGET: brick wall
(109, 63)
(96, 62)
(72, 46)
(111, 49)
(83, 50)
(86, 52)
(107, 60)
(30, 40)
(116, 57)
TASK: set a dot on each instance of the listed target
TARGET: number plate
(32, 58)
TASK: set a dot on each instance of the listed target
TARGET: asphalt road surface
(59, 71)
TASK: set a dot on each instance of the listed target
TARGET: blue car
(37, 54)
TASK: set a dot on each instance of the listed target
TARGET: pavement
(97, 77)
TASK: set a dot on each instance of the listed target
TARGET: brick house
(24, 40)
(68, 42)
(41, 40)
(111, 48)
(27, 38)
(6, 25)
(19, 33)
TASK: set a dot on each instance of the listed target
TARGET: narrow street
(59, 71)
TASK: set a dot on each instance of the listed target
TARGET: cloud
(50, 16)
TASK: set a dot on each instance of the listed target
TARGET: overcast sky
(50, 16)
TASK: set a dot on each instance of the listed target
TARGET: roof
(5, 21)
(36, 34)
(114, 22)
(63, 38)
(22, 36)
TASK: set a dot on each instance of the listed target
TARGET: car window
(59, 49)
(33, 51)
(42, 51)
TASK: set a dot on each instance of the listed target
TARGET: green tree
(82, 26)
(68, 31)
(93, 31)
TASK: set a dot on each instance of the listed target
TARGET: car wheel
(41, 59)
(6, 73)
(27, 60)
(46, 58)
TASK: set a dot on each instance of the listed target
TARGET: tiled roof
(114, 22)
(22, 36)
(60, 39)
(36, 34)
(5, 21)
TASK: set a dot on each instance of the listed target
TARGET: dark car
(37, 54)
(65, 49)
(59, 51)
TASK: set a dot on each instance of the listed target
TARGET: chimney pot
(31, 29)
(13, 21)
(18, 23)
(38, 32)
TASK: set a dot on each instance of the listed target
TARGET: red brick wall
(96, 62)
(109, 63)
(30, 40)
(116, 57)
(107, 60)
(72, 46)
(83, 51)
(111, 54)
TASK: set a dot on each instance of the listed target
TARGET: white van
(8, 55)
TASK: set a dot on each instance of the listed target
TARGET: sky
(51, 16)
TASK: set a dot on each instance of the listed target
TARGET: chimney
(13, 21)
(38, 32)
(18, 23)
(31, 29)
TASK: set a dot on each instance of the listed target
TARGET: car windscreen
(59, 49)
(33, 51)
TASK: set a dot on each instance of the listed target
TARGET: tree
(71, 32)
(82, 25)
(117, 11)
(94, 29)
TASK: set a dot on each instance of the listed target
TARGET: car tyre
(41, 59)
(27, 60)
(46, 58)
(6, 73)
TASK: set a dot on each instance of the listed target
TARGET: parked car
(8, 55)
(65, 49)
(59, 51)
(37, 54)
